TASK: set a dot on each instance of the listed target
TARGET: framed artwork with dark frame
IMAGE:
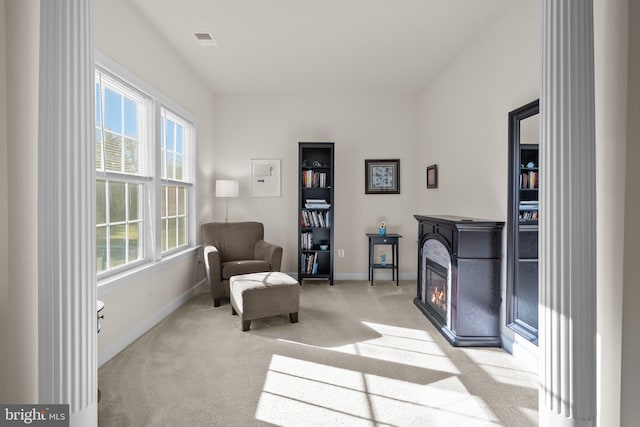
(382, 176)
(432, 176)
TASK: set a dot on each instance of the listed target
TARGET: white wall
(463, 115)
(365, 127)
(21, 37)
(630, 410)
(610, 40)
(133, 308)
(463, 119)
(4, 215)
(137, 46)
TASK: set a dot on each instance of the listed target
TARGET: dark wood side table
(388, 239)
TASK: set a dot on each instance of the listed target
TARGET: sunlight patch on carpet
(297, 392)
(411, 347)
(502, 368)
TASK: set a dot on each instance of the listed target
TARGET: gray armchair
(233, 248)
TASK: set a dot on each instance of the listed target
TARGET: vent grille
(205, 39)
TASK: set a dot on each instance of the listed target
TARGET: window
(175, 140)
(128, 185)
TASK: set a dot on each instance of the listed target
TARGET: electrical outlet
(340, 253)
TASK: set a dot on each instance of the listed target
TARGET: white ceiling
(320, 46)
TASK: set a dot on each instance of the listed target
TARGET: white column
(567, 310)
(66, 210)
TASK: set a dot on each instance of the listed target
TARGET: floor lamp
(227, 189)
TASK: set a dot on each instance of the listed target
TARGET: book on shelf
(316, 204)
(529, 205)
(533, 179)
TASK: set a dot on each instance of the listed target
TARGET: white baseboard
(522, 350)
(121, 343)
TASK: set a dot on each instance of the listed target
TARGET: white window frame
(154, 258)
(187, 175)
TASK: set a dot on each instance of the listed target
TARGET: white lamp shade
(227, 188)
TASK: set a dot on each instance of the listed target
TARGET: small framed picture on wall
(432, 176)
(382, 176)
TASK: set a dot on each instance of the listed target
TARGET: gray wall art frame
(382, 176)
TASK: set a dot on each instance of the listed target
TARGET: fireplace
(459, 278)
(437, 280)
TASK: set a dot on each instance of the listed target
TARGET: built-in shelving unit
(315, 210)
(524, 213)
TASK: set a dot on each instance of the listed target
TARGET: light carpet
(360, 355)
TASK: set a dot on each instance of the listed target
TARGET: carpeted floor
(360, 355)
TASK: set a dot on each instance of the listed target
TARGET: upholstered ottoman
(258, 295)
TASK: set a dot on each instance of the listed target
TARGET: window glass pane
(163, 123)
(117, 245)
(112, 111)
(113, 152)
(164, 164)
(163, 146)
(164, 234)
(170, 136)
(179, 139)
(98, 111)
(101, 249)
(181, 201)
(170, 165)
(117, 210)
(172, 201)
(101, 202)
(172, 234)
(182, 232)
(135, 245)
(134, 201)
(179, 163)
(98, 149)
(130, 118)
(163, 197)
(131, 156)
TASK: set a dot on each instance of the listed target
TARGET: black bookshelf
(315, 210)
(522, 233)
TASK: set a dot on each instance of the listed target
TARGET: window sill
(111, 283)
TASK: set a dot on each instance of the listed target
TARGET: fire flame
(439, 298)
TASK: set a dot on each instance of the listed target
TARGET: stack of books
(529, 210)
(316, 204)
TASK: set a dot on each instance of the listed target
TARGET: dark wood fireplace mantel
(475, 248)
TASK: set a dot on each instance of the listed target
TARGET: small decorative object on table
(382, 228)
(383, 259)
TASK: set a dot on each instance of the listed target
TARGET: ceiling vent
(205, 39)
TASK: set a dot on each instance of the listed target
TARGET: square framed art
(382, 176)
(265, 178)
